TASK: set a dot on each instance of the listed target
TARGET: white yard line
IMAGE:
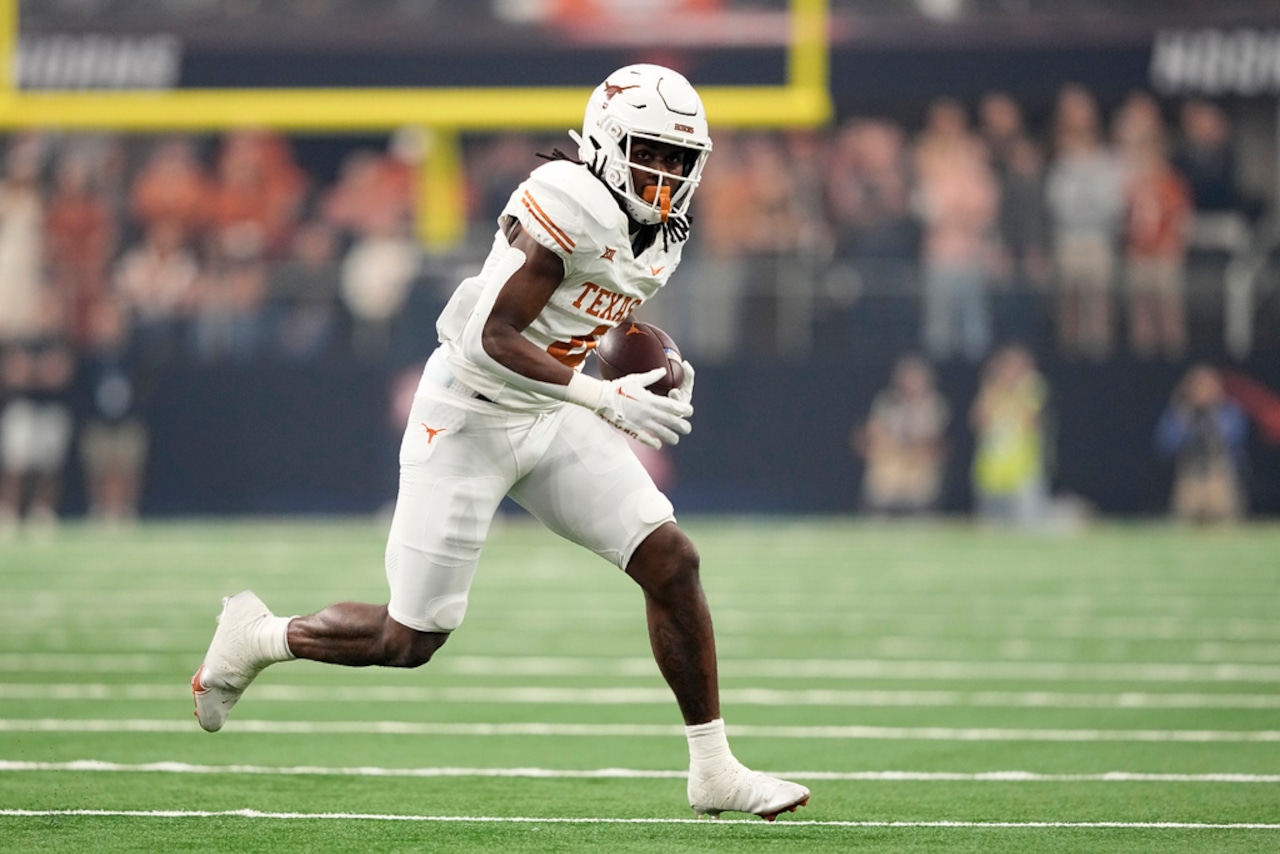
(75, 662)
(730, 668)
(1208, 640)
(837, 733)
(88, 765)
(527, 694)
(465, 819)
(907, 669)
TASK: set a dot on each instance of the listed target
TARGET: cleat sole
(771, 816)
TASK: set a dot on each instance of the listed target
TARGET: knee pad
(425, 595)
(433, 548)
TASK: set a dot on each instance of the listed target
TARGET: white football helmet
(645, 102)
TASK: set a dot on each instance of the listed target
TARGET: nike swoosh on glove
(630, 406)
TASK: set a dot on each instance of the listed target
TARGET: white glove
(632, 408)
(684, 392)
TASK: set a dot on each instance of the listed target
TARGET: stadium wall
(280, 439)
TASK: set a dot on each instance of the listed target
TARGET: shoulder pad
(565, 207)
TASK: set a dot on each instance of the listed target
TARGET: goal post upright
(8, 49)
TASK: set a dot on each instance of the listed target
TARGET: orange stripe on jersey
(556, 232)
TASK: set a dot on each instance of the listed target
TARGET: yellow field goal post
(442, 113)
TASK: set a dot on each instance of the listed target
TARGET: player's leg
(357, 634)
(1171, 308)
(451, 482)
(15, 462)
(590, 488)
(680, 631)
(250, 638)
(54, 431)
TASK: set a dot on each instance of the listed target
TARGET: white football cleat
(234, 658)
(736, 788)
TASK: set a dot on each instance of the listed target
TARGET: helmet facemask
(669, 197)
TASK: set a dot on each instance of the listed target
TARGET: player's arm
(521, 300)
(518, 303)
(499, 346)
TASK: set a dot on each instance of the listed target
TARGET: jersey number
(573, 351)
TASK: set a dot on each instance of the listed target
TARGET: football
(633, 347)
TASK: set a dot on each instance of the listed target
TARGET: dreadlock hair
(557, 154)
(674, 230)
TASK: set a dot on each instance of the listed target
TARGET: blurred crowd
(122, 255)
(981, 226)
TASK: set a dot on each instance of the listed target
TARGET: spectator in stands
(946, 137)
(1157, 228)
(372, 196)
(376, 277)
(375, 281)
(808, 160)
(1225, 215)
(771, 238)
(80, 236)
(715, 306)
(875, 235)
(1018, 163)
(228, 316)
(36, 422)
(172, 187)
(113, 436)
(156, 281)
(958, 203)
(493, 167)
(1205, 155)
(372, 203)
(256, 197)
(1203, 431)
(1085, 197)
(1137, 125)
(869, 199)
(22, 275)
(903, 442)
(1001, 127)
(1008, 421)
(303, 291)
(810, 157)
(1023, 270)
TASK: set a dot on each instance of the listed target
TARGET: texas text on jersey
(573, 214)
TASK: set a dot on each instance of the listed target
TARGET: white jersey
(572, 213)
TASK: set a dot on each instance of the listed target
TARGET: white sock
(708, 745)
(273, 639)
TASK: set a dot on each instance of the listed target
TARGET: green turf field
(938, 688)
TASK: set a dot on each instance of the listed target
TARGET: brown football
(633, 347)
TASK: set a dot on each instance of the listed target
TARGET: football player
(503, 408)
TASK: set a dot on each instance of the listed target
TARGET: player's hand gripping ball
(634, 347)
